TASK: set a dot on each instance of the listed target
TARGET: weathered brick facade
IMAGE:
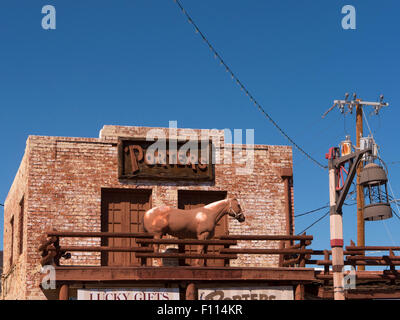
(60, 181)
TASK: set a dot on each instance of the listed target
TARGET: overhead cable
(243, 88)
(314, 223)
(312, 211)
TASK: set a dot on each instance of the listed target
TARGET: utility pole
(359, 188)
(336, 219)
(337, 197)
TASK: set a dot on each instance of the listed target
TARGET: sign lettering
(129, 294)
(246, 293)
(141, 159)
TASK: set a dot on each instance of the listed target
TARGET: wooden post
(302, 260)
(226, 261)
(281, 256)
(286, 176)
(359, 188)
(326, 267)
(63, 294)
(191, 292)
(299, 292)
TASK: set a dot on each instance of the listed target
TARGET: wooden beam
(265, 237)
(363, 275)
(266, 251)
(186, 241)
(184, 273)
(186, 255)
(362, 294)
(372, 248)
(106, 249)
(99, 234)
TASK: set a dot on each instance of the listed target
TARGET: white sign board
(247, 293)
(129, 294)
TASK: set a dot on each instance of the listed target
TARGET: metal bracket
(354, 158)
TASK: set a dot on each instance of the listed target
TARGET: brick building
(75, 184)
(1, 265)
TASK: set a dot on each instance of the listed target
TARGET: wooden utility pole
(360, 192)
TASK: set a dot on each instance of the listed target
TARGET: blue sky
(140, 63)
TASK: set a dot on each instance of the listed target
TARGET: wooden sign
(247, 293)
(129, 294)
(165, 159)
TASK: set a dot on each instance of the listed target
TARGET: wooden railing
(291, 256)
(355, 256)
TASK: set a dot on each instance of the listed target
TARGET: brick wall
(1, 266)
(61, 181)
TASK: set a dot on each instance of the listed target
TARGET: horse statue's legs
(202, 249)
(157, 236)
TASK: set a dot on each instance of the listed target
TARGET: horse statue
(198, 223)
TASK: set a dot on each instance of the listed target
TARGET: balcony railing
(292, 256)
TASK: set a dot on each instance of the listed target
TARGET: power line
(243, 88)
(314, 223)
(396, 214)
(312, 211)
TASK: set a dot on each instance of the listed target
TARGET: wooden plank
(361, 262)
(362, 295)
(378, 258)
(115, 274)
(322, 252)
(266, 237)
(265, 251)
(361, 275)
(187, 241)
(99, 234)
(372, 248)
(107, 249)
(186, 256)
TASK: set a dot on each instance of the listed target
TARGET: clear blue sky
(140, 63)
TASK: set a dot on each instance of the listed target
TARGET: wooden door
(122, 211)
(193, 199)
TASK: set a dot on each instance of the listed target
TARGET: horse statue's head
(234, 210)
